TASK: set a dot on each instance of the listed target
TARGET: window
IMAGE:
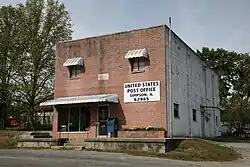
(78, 119)
(216, 119)
(194, 115)
(75, 71)
(137, 64)
(176, 110)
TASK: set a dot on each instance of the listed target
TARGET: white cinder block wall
(193, 85)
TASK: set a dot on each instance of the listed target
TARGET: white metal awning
(137, 53)
(74, 61)
(113, 98)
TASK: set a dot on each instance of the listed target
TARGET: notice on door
(142, 91)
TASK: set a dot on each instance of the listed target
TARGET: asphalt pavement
(63, 158)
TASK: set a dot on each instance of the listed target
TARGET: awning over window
(137, 53)
(113, 98)
(74, 61)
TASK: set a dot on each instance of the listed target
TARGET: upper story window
(75, 71)
(194, 115)
(137, 65)
(137, 59)
(75, 66)
(176, 110)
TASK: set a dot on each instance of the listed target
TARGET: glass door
(103, 114)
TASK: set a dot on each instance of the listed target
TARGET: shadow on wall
(117, 111)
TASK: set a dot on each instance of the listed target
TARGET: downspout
(215, 128)
(68, 122)
(205, 109)
(188, 95)
(170, 79)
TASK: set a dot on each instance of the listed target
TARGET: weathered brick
(105, 54)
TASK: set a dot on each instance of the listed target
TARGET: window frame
(176, 111)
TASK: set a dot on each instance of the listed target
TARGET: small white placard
(142, 91)
(103, 76)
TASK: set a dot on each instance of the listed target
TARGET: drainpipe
(215, 128)
(205, 109)
(170, 79)
(68, 121)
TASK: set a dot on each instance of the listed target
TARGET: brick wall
(105, 54)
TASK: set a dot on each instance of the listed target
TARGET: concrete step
(77, 148)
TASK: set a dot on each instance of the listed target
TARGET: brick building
(125, 75)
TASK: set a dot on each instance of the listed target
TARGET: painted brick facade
(194, 85)
(105, 54)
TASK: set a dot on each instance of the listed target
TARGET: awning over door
(74, 61)
(113, 98)
(136, 53)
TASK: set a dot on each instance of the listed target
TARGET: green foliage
(8, 49)
(234, 84)
(29, 33)
(148, 128)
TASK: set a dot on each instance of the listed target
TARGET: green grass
(191, 150)
(5, 142)
(203, 150)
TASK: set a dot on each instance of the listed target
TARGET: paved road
(49, 158)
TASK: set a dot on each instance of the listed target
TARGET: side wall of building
(106, 55)
(193, 86)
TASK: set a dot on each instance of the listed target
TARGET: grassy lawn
(193, 150)
(5, 142)
(202, 150)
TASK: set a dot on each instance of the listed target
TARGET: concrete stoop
(77, 148)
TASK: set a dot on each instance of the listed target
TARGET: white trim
(136, 53)
(73, 61)
(82, 99)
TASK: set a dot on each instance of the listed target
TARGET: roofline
(139, 29)
(192, 50)
(111, 34)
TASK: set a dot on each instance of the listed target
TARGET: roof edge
(111, 34)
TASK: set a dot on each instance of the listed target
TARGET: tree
(234, 85)
(236, 113)
(8, 56)
(225, 64)
(41, 25)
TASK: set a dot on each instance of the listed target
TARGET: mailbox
(112, 125)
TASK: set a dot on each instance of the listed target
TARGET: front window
(76, 118)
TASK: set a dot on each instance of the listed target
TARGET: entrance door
(202, 109)
(103, 114)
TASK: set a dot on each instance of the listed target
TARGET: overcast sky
(211, 23)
